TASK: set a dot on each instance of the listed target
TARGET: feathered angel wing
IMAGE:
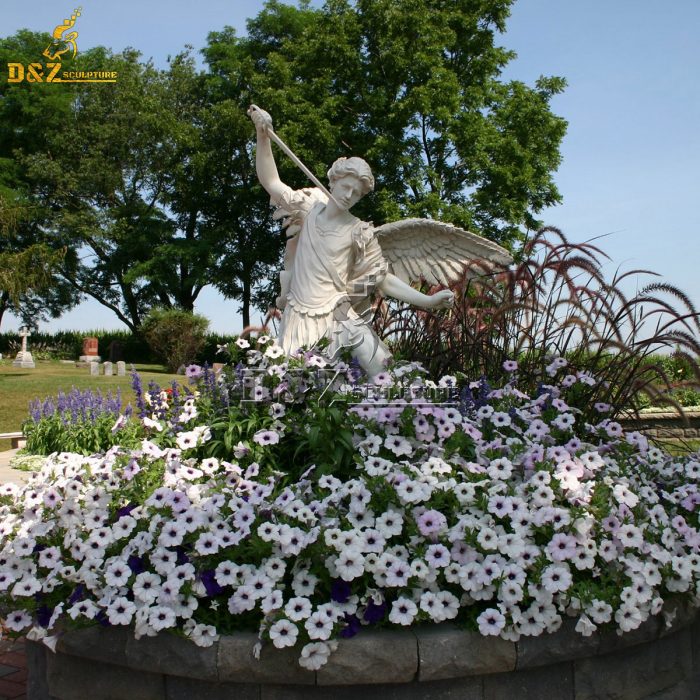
(436, 252)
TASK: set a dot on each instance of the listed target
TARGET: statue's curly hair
(352, 166)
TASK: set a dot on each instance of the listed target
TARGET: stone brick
(556, 682)
(447, 652)
(564, 645)
(172, 655)
(458, 689)
(646, 632)
(636, 672)
(687, 690)
(106, 644)
(236, 663)
(685, 613)
(71, 678)
(695, 636)
(37, 685)
(389, 656)
(192, 689)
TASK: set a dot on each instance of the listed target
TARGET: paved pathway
(13, 662)
(8, 474)
(13, 670)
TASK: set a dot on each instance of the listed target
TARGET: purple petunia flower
(340, 591)
(430, 522)
(375, 612)
(193, 371)
(352, 627)
(135, 564)
(211, 586)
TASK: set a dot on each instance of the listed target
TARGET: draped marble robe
(328, 275)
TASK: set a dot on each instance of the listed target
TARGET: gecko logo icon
(63, 45)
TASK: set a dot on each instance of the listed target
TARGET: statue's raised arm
(265, 165)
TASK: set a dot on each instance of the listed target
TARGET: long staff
(292, 156)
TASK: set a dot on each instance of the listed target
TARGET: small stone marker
(109, 369)
(90, 350)
(94, 369)
(121, 369)
(24, 357)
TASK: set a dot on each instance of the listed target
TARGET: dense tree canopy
(150, 185)
(30, 286)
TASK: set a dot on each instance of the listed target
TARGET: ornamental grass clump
(557, 302)
(495, 510)
(84, 422)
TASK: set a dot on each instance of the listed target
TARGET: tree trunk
(245, 298)
(4, 303)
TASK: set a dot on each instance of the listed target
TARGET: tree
(29, 284)
(414, 87)
(150, 183)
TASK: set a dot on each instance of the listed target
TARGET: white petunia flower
(403, 611)
(314, 655)
(146, 587)
(18, 620)
(203, 635)
(161, 617)
(298, 608)
(284, 634)
(556, 578)
(350, 564)
(120, 611)
(491, 622)
(319, 626)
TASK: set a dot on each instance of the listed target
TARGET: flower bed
(309, 510)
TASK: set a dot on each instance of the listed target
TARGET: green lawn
(678, 447)
(20, 386)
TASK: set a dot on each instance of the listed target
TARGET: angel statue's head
(352, 166)
(350, 180)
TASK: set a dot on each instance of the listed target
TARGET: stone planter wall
(666, 425)
(436, 663)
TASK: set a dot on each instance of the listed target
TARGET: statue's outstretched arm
(265, 165)
(392, 286)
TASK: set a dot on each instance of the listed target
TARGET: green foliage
(29, 283)
(68, 345)
(150, 186)
(415, 88)
(84, 422)
(84, 437)
(176, 336)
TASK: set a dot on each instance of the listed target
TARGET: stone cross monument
(24, 357)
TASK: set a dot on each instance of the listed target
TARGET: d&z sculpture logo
(63, 42)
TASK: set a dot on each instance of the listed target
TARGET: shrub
(176, 336)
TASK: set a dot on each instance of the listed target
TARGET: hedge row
(68, 345)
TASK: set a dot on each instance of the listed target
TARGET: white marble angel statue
(334, 261)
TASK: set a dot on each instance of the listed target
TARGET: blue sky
(630, 157)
